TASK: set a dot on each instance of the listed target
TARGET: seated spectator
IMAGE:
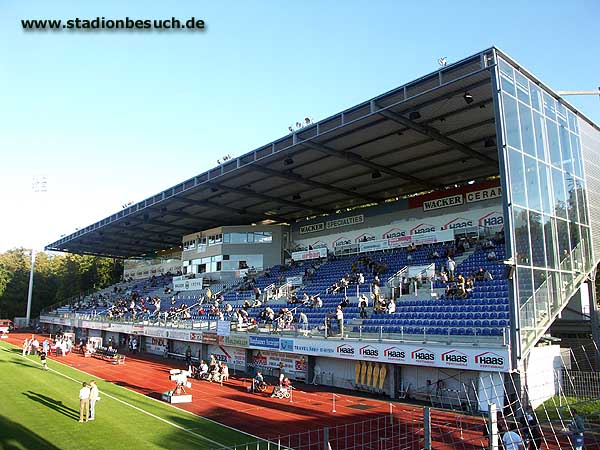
(202, 370)
(318, 303)
(391, 307)
(344, 302)
(450, 290)
(257, 381)
(491, 256)
(434, 254)
(443, 277)
(461, 286)
(469, 284)
(479, 274)
(362, 304)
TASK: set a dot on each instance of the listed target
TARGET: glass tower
(545, 199)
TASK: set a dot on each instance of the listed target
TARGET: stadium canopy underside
(429, 134)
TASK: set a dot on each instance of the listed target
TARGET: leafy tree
(57, 278)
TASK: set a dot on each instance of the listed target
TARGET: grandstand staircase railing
(554, 300)
(395, 281)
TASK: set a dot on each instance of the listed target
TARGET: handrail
(560, 288)
(400, 272)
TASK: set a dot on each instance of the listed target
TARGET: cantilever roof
(421, 136)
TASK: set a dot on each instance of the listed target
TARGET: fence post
(427, 427)
(326, 438)
(492, 427)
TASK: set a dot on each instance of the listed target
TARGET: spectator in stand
(491, 256)
(434, 254)
(451, 264)
(461, 286)
(362, 304)
(339, 315)
(303, 320)
(318, 302)
(391, 307)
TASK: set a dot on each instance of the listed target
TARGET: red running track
(310, 408)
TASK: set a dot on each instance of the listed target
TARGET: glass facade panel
(561, 115)
(577, 156)
(517, 177)
(560, 197)
(540, 136)
(549, 106)
(538, 252)
(553, 143)
(507, 77)
(562, 231)
(565, 149)
(571, 198)
(582, 204)
(550, 239)
(522, 88)
(550, 236)
(533, 186)
(536, 97)
(523, 252)
(511, 117)
(545, 190)
(527, 132)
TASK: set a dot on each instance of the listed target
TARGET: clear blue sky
(110, 117)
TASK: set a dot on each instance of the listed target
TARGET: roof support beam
(289, 175)
(269, 198)
(435, 134)
(357, 159)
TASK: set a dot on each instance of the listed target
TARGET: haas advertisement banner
(467, 358)
(421, 231)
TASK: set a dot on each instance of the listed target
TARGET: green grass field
(40, 410)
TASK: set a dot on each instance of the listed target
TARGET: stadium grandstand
(437, 243)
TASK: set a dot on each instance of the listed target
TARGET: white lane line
(132, 406)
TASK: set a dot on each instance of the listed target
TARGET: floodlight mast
(39, 185)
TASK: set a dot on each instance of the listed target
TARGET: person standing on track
(188, 358)
(93, 399)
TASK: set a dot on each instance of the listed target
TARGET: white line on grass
(133, 406)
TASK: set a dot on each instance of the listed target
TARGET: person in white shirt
(451, 265)
(391, 307)
(84, 403)
(94, 392)
(511, 440)
(339, 315)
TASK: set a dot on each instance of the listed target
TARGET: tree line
(57, 277)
